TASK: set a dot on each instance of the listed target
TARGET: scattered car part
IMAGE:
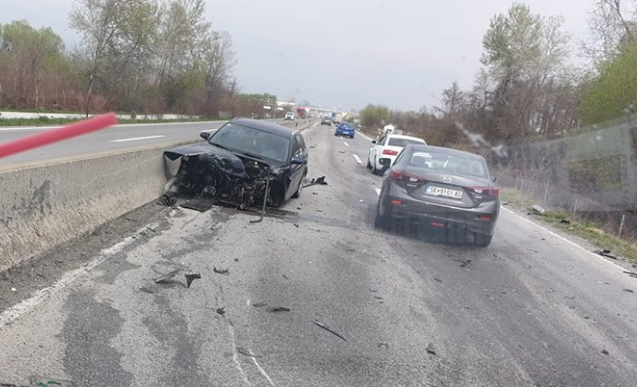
(320, 325)
(259, 304)
(276, 309)
(221, 311)
(199, 204)
(605, 352)
(221, 271)
(430, 349)
(246, 352)
(466, 263)
(537, 209)
(605, 253)
(146, 290)
(628, 290)
(167, 278)
(192, 277)
(317, 181)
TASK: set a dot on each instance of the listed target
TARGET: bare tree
(613, 24)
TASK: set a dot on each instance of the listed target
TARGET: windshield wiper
(221, 146)
(251, 155)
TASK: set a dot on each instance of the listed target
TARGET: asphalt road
(533, 309)
(114, 138)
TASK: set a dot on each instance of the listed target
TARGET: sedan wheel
(375, 170)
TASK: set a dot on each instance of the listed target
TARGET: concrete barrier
(43, 205)
(48, 203)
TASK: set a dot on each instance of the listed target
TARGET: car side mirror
(204, 135)
(373, 141)
(299, 160)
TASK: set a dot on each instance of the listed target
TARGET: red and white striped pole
(60, 134)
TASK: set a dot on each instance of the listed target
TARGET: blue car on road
(345, 129)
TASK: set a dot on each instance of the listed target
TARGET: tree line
(529, 86)
(138, 56)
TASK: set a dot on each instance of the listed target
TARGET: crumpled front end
(214, 173)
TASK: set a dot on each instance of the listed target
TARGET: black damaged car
(239, 163)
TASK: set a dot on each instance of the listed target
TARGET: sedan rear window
(244, 139)
(449, 163)
(402, 142)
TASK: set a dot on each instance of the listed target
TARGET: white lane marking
(563, 239)
(364, 136)
(42, 128)
(345, 142)
(136, 138)
(235, 355)
(26, 306)
(263, 372)
(357, 159)
(377, 191)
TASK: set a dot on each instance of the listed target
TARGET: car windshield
(244, 139)
(448, 163)
(402, 142)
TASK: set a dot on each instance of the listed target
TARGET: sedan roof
(265, 127)
(450, 151)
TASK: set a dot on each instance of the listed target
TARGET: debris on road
(438, 280)
(246, 352)
(221, 311)
(382, 345)
(505, 203)
(318, 324)
(146, 290)
(537, 209)
(361, 201)
(259, 304)
(466, 263)
(605, 352)
(605, 253)
(14, 289)
(199, 204)
(430, 349)
(221, 271)
(285, 276)
(317, 181)
(236, 259)
(630, 273)
(192, 277)
(167, 278)
(41, 381)
(628, 290)
(276, 309)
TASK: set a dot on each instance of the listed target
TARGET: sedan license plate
(439, 191)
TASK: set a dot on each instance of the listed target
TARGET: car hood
(201, 148)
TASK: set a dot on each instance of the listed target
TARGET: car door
(297, 171)
(373, 151)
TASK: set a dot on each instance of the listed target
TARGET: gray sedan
(440, 188)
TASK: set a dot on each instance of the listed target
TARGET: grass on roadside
(45, 121)
(583, 229)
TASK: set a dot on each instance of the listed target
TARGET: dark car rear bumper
(470, 220)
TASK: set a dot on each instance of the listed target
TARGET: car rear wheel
(369, 165)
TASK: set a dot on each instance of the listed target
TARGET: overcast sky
(347, 53)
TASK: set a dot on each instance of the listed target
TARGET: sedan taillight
(389, 152)
(403, 177)
(489, 191)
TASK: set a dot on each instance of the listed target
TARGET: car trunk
(435, 187)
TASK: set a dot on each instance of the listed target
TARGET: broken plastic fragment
(430, 349)
(605, 352)
(605, 253)
(167, 278)
(146, 290)
(539, 210)
(246, 352)
(221, 271)
(318, 324)
(192, 277)
(221, 311)
(276, 309)
(259, 304)
(466, 263)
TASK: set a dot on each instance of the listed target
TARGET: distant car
(383, 153)
(236, 161)
(289, 116)
(440, 188)
(345, 129)
(326, 120)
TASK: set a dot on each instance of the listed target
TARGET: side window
(297, 146)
